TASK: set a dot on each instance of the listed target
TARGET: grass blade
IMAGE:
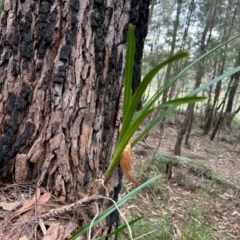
(184, 100)
(124, 141)
(194, 92)
(143, 85)
(112, 208)
(120, 229)
(130, 53)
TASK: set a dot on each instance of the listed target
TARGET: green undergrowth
(175, 209)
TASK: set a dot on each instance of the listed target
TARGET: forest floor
(202, 199)
(200, 202)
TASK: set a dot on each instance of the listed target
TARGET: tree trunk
(199, 74)
(226, 34)
(183, 129)
(232, 92)
(189, 131)
(211, 109)
(172, 48)
(61, 77)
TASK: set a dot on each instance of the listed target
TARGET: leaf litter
(213, 197)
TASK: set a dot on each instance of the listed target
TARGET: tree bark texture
(61, 74)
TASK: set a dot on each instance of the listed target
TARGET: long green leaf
(130, 53)
(169, 82)
(184, 100)
(112, 208)
(120, 229)
(143, 85)
(215, 80)
(122, 144)
(192, 93)
(1, 5)
(200, 58)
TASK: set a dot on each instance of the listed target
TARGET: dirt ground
(200, 202)
(206, 183)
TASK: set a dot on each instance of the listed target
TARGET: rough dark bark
(61, 66)
(139, 15)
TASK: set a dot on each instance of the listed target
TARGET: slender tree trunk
(61, 75)
(183, 129)
(189, 131)
(173, 45)
(169, 66)
(212, 109)
(232, 93)
(226, 34)
(199, 74)
(183, 43)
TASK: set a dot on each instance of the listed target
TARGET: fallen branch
(59, 211)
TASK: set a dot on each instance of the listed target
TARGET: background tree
(206, 35)
(202, 25)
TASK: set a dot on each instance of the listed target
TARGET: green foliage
(130, 103)
(192, 93)
(120, 229)
(1, 5)
(131, 122)
(108, 211)
(194, 228)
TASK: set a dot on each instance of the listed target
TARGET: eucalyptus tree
(204, 40)
(61, 66)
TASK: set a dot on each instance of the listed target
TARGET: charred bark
(61, 76)
(61, 65)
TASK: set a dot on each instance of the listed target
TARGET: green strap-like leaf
(143, 85)
(192, 93)
(172, 79)
(112, 208)
(120, 229)
(130, 54)
(184, 100)
(124, 141)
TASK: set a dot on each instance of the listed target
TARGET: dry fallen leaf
(23, 238)
(53, 232)
(9, 206)
(42, 226)
(43, 209)
(44, 198)
(235, 213)
(36, 199)
(26, 207)
(69, 229)
(60, 232)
